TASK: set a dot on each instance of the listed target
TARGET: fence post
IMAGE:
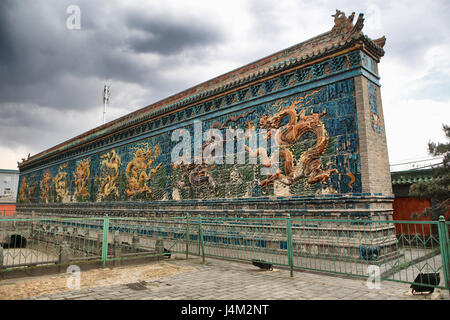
(63, 258)
(187, 236)
(117, 248)
(105, 240)
(443, 243)
(1, 257)
(200, 237)
(135, 241)
(159, 248)
(289, 244)
(99, 242)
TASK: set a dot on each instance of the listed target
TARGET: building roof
(343, 35)
(9, 171)
(411, 176)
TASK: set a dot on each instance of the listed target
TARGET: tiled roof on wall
(411, 176)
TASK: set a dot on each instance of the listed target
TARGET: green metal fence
(33, 242)
(399, 250)
(351, 247)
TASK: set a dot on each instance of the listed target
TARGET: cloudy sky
(52, 77)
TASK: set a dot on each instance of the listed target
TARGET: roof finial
(343, 24)
(380, 41)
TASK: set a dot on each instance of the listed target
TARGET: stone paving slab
(225, 280)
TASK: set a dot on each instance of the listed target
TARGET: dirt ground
(29, 287)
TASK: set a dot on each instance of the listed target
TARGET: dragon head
(272, 122)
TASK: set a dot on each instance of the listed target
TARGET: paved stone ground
(224, 280)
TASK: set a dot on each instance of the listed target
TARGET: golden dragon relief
(110, 165)
(81, 175)
(45, 187)
(309, 164)
(60, 183)
(137, 170)
(23, 191)
(32, 189)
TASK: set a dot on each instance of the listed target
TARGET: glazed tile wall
(134, 163)
(155, 177)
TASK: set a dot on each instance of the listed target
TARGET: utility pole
(105, 100)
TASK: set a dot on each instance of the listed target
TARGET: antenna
(105, 100)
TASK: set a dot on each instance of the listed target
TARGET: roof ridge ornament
(380, 41)
(344, 25)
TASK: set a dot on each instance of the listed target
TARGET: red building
(7, 209)
(407, 207)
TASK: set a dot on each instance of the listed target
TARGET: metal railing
(336, 246)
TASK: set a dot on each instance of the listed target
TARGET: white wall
(8, 180)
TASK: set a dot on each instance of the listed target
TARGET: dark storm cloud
(156, 30)
(26, 124)
(39, 52)
(6, 52)
(51, 77)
